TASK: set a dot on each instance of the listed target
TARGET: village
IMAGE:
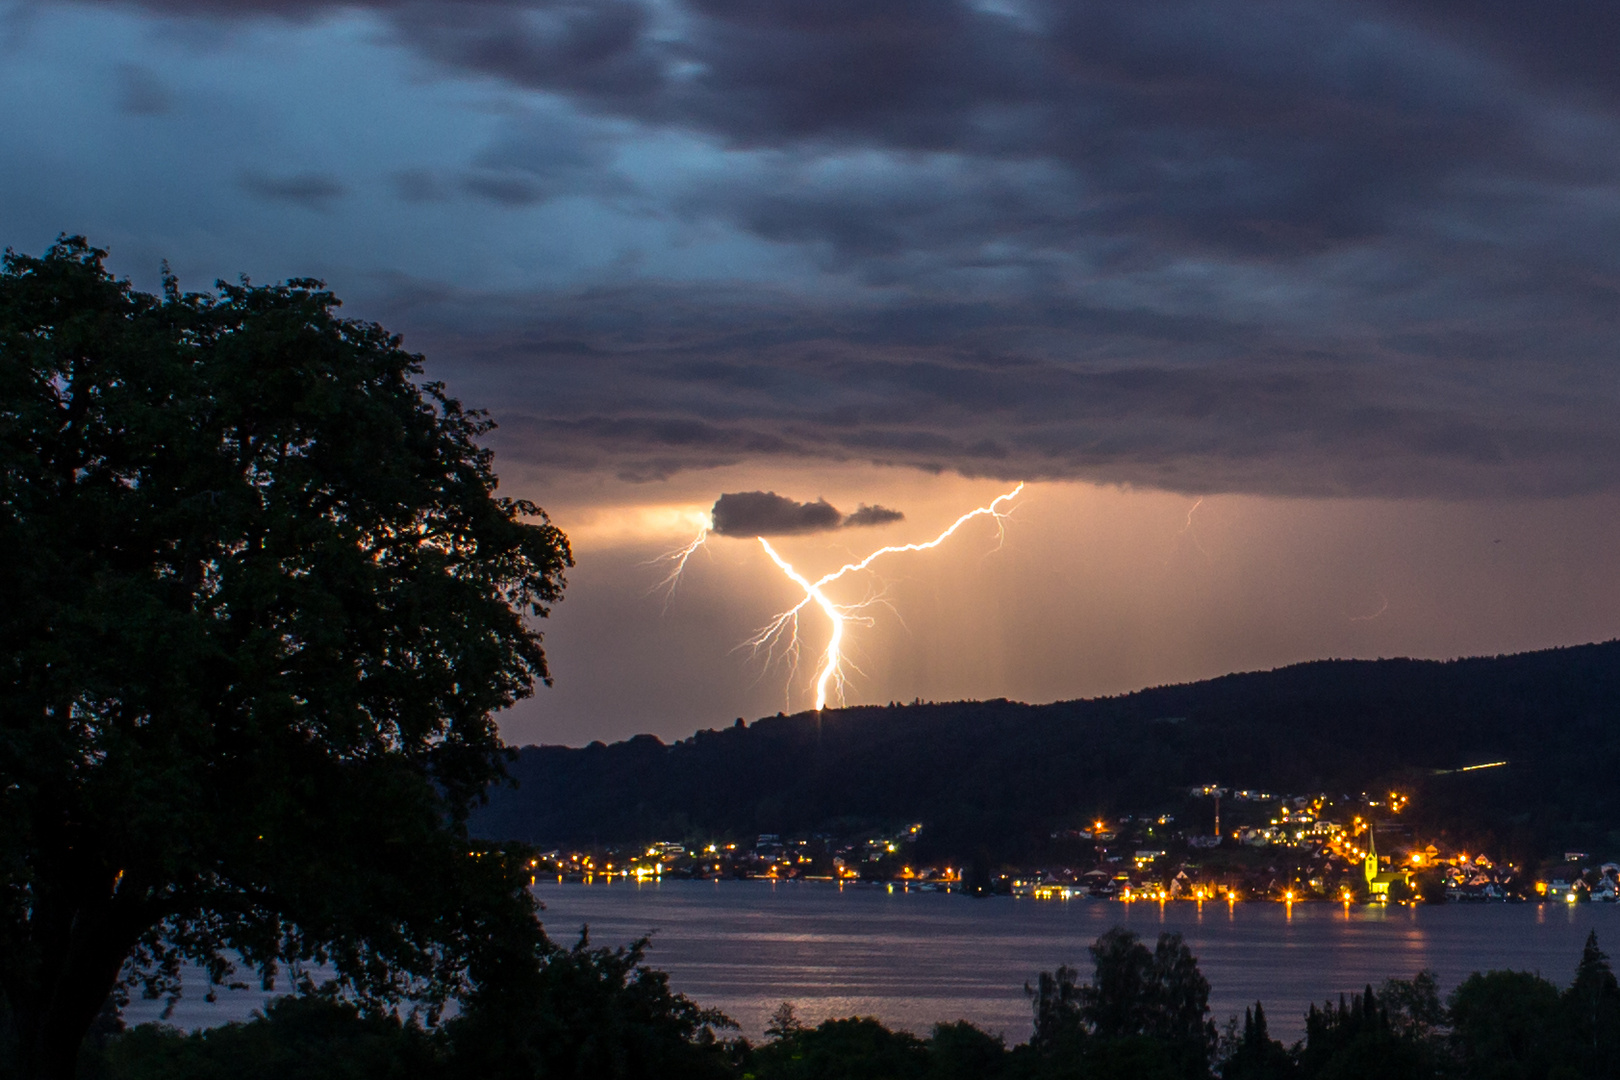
(1349, 849)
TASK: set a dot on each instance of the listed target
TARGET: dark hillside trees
(258, 602)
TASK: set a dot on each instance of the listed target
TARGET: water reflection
(912, 958)
(915, 958)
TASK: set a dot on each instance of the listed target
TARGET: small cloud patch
(141, 93)
(871, 515)
(765, 513)
(419, 186)
(309, 190)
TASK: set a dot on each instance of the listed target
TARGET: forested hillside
(1001, 776)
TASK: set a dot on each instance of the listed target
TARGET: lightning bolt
(782, 632)
(1188, 530)
(677, 562)
(1381, 609)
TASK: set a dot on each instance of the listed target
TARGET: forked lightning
(781, 635)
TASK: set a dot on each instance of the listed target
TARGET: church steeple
(1369, 866)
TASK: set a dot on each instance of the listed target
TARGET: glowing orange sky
(1097, 590)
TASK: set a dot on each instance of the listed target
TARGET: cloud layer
(1323, 247)
(765, 513)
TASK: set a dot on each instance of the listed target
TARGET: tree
(1256, 1055)
(1413, 1009)
(1507, 1025)
(1055, 998)
(1360, 1039)
(1118, 1003)
(784, 1022)
(1180, 999)
(1593, 1004)
(588, 1011)
(857, 1048)
(296, 1038)
(961, 1051)
(1139, 1005)
(258, 606)
(1160, 995)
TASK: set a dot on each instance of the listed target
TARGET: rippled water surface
(915, 958)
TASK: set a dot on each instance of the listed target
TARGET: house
(1607, 889)
(1564, 884)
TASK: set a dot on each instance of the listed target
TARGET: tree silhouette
(1257, 1055)
(1593, 1001)
(258, 603)
(1142, 1010)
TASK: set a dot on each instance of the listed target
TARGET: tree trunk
(81, 952)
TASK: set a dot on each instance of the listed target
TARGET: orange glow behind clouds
(1096, 590)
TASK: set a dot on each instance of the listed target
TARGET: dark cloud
(420, 186)
(689, 379)
(507, 189)
(1326, 247)
(312, 191)
(765, 513)
(540, 156)
(142, 93)
(864, 515)
(1252, 128)
(1569, 45)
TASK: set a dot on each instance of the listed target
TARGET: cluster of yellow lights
(1159, 894)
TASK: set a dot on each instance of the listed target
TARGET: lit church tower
(1369, 865)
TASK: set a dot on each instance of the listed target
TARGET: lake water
(912, 959)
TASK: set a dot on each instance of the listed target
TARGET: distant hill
(999, 776)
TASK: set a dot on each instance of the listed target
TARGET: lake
(912, 958)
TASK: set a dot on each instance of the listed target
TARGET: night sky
(1301, 318)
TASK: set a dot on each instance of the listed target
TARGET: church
(1378, 883)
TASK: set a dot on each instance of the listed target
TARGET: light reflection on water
(915, 958)
(912, 959)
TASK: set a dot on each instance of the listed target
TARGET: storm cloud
(1343, 246)
(864, 515)
(765, 513)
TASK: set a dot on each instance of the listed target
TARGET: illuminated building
(1378, 883)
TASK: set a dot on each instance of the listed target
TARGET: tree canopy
(258, 604)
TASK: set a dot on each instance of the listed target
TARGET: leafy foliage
(1144, 1011)
(298, 1038)
(859, 1048)
(1507, 1025)
(588, 1011)
(1363, 1038)
(258, 604)
(1257, 1056)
